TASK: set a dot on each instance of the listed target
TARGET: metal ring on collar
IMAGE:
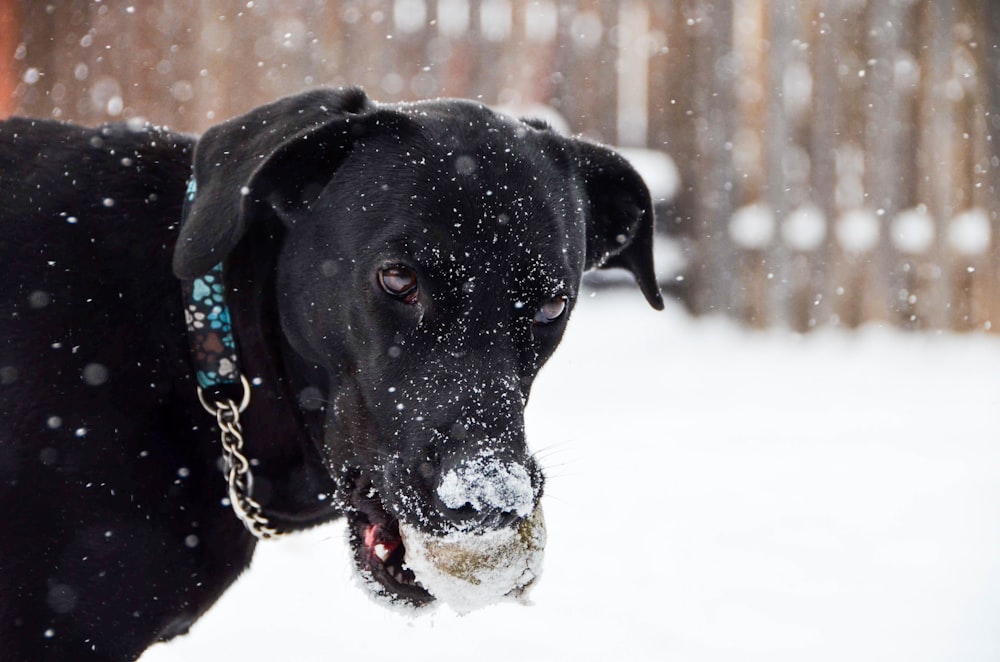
(213, 409)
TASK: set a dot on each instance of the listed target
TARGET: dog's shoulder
(26, 133)
(88, 222)
(38, 153)
(112, 180)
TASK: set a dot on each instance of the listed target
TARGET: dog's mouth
(379, 552)
(463, 568)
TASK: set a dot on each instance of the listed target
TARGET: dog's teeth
(381, 551)
(399, 577)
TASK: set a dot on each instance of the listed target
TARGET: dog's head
(425, 259)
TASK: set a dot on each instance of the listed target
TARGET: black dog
(396, 275)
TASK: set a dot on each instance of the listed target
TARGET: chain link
(239, 477)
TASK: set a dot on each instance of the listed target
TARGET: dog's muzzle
(477, 538)
(469, 570)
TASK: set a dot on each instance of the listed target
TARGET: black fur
(114, 533)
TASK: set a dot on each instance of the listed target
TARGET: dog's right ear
(296, 142)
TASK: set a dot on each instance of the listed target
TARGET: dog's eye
(400, 282)
(551, 310)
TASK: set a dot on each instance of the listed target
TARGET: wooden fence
(839, 158)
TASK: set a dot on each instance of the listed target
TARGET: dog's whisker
(543, 456)
(555, 447)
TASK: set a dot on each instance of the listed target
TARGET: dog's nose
(486, 491)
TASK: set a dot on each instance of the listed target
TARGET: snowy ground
(714, 494)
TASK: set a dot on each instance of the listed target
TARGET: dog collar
(217, 371)
(209, 323)
(210, 331)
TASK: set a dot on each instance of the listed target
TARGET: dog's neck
(277, 442)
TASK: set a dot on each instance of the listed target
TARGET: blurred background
(714, 493)
(816, 163)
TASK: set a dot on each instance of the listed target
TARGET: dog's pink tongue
(378, 543)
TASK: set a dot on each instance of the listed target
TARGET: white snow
(468, 571)
(970, 232)
(913, 230)
(752, 226)
(488, 482)
(453, 17)
(858, 230)
(541, 23)
(495, 19)
(797, 87)
(805, 228)
(713, 494)
(409, 16)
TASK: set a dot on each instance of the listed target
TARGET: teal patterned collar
(209, 324)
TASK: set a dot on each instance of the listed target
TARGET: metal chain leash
(239, 477)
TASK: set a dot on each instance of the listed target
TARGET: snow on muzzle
(474, 566)
(488, 484)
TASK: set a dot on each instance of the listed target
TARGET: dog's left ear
(620, 218)
(260, 161)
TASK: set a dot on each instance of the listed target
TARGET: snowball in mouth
(469, 570)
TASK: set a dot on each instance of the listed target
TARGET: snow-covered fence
(837, 156)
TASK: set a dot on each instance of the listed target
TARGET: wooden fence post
(881, 165)
(588, 85)
(990, 27)
(711, 122)
(10, 32)
(826, 125)
(780, 21)
(670, 95)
